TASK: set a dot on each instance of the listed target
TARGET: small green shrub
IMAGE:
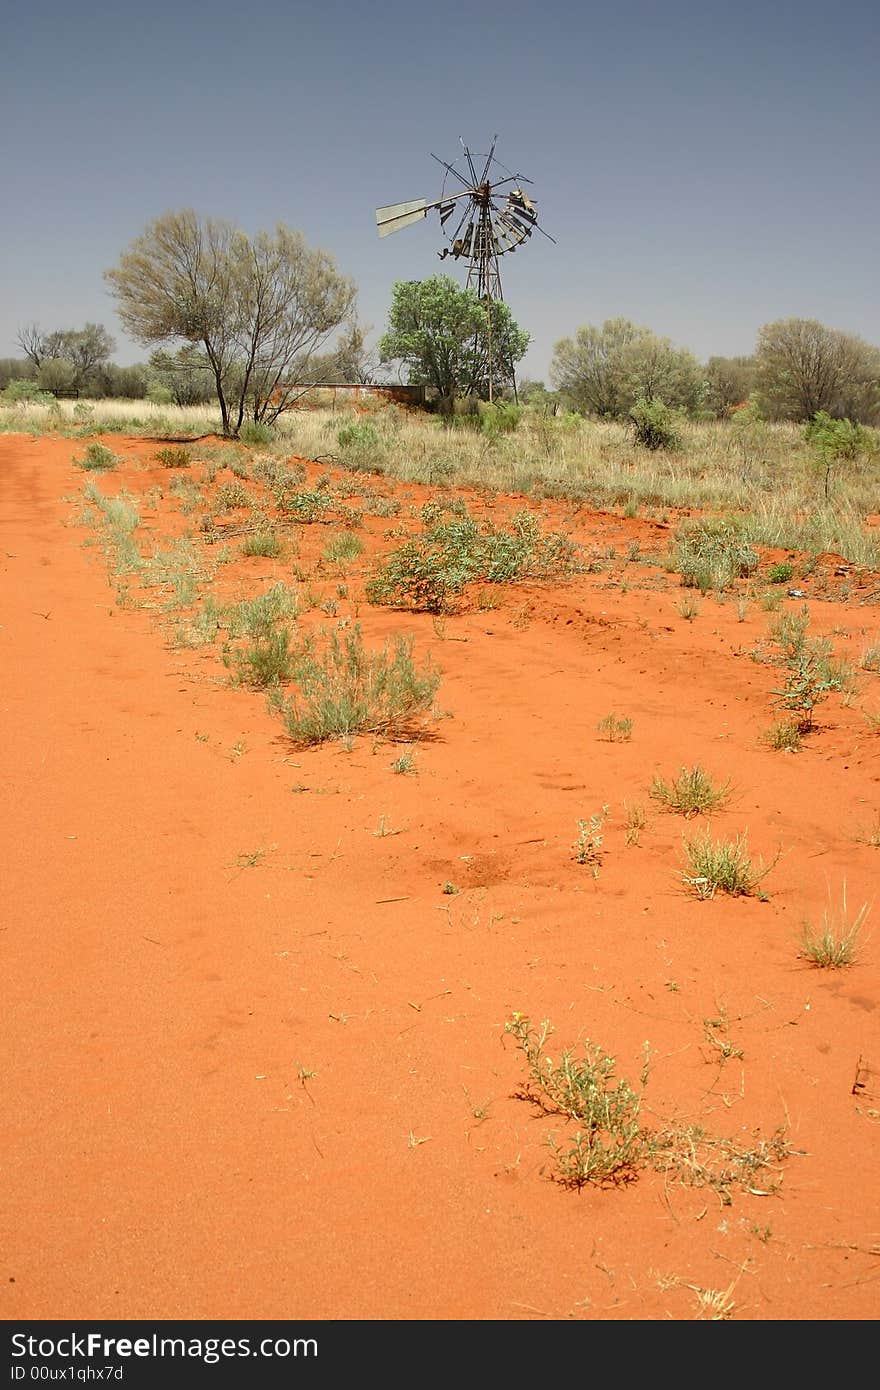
(97, 459)
(655, 424)
(614, 730)
(255, 433)
(780, 574)
(348, 690)
(809, 683)
(609, 1144)
(833, 945)
(342, 547)
(691, 793)
(363, 450)
(588, 845)
(232, 496)
(711, 553)
(174, 458)
(265, 544)
(266, 662)
(24, 392)
(834, 442)
(258, 617)
(721, 865)
(782, 736)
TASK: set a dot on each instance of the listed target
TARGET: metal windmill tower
(483, 217)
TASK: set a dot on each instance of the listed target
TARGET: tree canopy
(259, 307)
(441, 334)
(803, 368)
(604, 371)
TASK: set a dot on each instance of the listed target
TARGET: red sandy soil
(255, 1060)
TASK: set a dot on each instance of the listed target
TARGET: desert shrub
(173, 458)
(363, 450)
(834, 944)
(614, 730)
(782, 736)
(655, 424)
(231, 496)
(428, 572)
(691, 793)
(609, 1143)
(721, 865)
(342, 547)
(587, 847)
(255, 433)
(347, 690)
(265, 544)
(302, 504)
(780, 574)
(24, 392)
(97, 459)
(834, 442)
(711, 553)
(498, 418)
(258, 617)
(267, 661)
(810, 681)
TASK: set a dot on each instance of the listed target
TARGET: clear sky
(705, 167)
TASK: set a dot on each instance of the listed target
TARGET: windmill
(482, 217)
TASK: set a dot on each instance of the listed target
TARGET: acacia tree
(85, 349)
(441, 335)
(258, 307)
(604, 371)
(804, 367)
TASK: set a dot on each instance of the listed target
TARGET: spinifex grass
(834, 944)
(691, 793)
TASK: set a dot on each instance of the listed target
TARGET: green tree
(85, 349)
(259, 307)
(729, 382)
(56, 374)
(804, 367)
(834, 442)
(604, 371)
(446, 337)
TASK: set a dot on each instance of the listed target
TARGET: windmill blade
(489, 157)
(398, 215)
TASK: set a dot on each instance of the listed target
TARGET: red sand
(282, 1089)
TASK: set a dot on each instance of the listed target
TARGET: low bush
(266, 545)
(711, 554)
(256, 432)
(174, 458)
(722, 865)
(691, 793)
(656, 425)
(97, 459)
(266, 662)
(347, 689)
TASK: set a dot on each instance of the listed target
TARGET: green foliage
(440, 333)
(721, 865)
(804, 367)
(780, 574)
(810, 681)
(711, 553)
(588, 846)
(266, 545)
(258, 617)
(834, 442)
(266, 662)
(173, 458)
(348, 690)
(655, 424)
(834, 944)
(782, 736)
(231, 496)
(691, 793)
(256, 432)
(604, 371)
(363, 449)
(614, 730)
(427, 573)
(609, 1144)
(22, 392)
(342, 547)
(97, 459)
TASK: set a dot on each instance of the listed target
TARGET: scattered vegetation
(691, 793)
(265, 544)
(97, 459)
(588, 845)
(833, 945)
(712, 553)
(174, 458)
(346, 689)
(722, 866)
(615, 730)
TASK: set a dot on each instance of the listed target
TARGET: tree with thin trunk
(258, 307)
(803, 368)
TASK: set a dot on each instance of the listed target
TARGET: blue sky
(704, 167)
